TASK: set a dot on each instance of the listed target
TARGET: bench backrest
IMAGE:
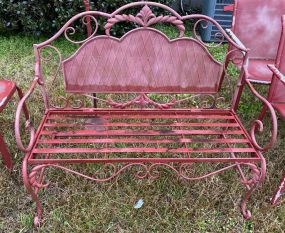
(257, 24)
(143, 60)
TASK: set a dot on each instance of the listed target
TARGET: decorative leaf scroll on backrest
(145, 18)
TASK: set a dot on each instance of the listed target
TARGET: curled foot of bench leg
(245, 212)
(258, 177)
(36, 222)
(33, 193)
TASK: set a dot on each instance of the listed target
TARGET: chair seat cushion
(259, 72)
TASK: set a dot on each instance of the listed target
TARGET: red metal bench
(142, 130)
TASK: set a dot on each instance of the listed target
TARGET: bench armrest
(28, 125)
(258, 125)
(277, 73)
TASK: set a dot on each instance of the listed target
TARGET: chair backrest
(277, 88)
(257, 24)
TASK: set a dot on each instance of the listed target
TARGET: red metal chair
(276, 96)
(257, 24)
(7, 90)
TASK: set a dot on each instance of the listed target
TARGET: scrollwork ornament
(69, 31)
(47, 59)
(141, 100)
(255, 175)
(34, 175)
(145, 18)
(204, 23)
(109, 171)
(69, 102)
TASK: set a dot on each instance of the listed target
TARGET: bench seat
(172, 135)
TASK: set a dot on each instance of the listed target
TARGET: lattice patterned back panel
(144, 60)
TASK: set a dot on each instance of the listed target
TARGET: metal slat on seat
(123, 116)
(138, 150)
(139, 132)
(143, 124)
(141, 140)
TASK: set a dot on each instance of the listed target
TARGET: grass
(72, 204)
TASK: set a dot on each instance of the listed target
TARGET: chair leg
(279, 191)
(32, 191)
(5, 154)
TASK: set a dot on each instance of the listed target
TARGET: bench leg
(254, 185)
(5, 154)
(244, 210)
(32, 191)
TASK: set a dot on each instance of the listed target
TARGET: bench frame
(34, 167)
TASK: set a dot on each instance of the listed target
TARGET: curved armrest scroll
(258, 125)
(28, 125)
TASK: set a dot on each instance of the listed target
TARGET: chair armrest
(235, 39)
(258, 125)
(28, 125)
(277, 73)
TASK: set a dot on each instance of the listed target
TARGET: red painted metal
(88, 20)
(276, 96)
(138, 130)
(279, 191)
(5, 154)
(89, 32)
(7, 89)
(261, 19)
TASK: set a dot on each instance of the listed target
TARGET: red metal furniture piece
(89, 32)
(138, 131)
(256, 23)
(7, 89)
(276, 96)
